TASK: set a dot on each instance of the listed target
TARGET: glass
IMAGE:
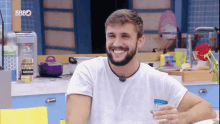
(212, 40)
(1, 41)
(158, 103)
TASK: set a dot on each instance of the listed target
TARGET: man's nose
(118, 42)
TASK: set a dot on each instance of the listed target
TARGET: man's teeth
(116, 51)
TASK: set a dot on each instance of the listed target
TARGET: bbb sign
(22, 12)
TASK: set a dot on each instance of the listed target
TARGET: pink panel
(59, 38)
(58, 19)
(58, 52)
(151, 4)
(151, 41)
(59, 4)
(150, 20)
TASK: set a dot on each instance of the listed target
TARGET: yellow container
(180, 56)
(62, 121)
(162, 59)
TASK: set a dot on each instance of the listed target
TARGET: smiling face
(121, 43)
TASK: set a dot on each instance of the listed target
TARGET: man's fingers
(164, 112)
(167, 114)
(174, 122)
(166, 107)
(169, 122)
(168, 117)
(162, 121)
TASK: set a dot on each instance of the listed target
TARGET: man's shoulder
(152, 72)
(94, 62)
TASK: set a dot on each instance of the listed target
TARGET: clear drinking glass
(158, 103)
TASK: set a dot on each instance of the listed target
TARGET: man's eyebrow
(110, 33)
(125, 34)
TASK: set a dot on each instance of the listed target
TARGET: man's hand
(168, 115)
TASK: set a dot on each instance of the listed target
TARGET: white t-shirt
(129, 102)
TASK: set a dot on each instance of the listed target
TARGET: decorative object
(204, 53)
(202, 50)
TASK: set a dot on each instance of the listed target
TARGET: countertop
(43, 85)
(52, 85)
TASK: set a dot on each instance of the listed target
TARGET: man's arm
(78, 109)
(193, 108)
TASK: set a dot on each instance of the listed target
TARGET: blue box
(169, 61)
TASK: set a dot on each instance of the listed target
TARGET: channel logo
(22, 12)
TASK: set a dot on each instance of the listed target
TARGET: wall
(151, 12)
(35, 22)
(203, 13)
(5, 6)
(58, 27)
(200, 13)
(27, 22)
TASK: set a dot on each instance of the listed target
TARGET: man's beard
(126, 60)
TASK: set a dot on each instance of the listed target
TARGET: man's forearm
(75, 121)
(75, 118)
(196, 114)
(78, 109)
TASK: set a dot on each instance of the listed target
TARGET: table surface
(43, 85)
(50, 85)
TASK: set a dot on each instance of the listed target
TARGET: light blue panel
(8, 19)
(8, 4)
(216, 108)
(13, 75)
(9, 11)
(4, 18)
(212, 95)
(8, 27)
(3, 11)
(56, 111)
(5, 27)
(2, 4)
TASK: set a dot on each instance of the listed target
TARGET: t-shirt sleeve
(80, 82)
(175, 91)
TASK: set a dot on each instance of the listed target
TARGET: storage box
(193, 76)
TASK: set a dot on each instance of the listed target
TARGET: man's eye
(111, 36)
(125, 36)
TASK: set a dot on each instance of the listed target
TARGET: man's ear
(141, 41)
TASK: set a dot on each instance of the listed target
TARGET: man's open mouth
(118, 51)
